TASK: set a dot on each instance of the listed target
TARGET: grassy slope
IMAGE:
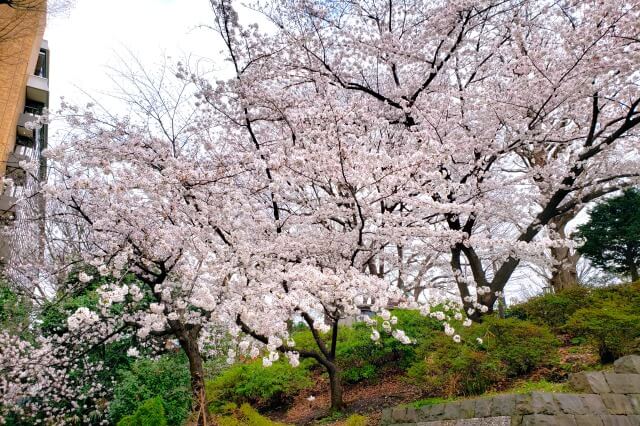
(575, 353)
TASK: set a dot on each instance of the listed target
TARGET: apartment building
(24, 94)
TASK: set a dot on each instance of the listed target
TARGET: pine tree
(612, 234)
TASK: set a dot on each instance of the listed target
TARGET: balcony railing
(38, 89)
(33, 110)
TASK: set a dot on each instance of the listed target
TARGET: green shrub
(522, 346)
(511, 347)
(613, 329)
(167, 377)
(253, 418)
(552, 310)
(253, 383)
(149, 413)
(356, 420)
(450, 369)
(627, 295)
(245, 416)
(357, 374)
(555, 310)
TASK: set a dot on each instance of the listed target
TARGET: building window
(33, 107)
(41, 65)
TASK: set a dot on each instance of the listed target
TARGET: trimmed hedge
(613, 329)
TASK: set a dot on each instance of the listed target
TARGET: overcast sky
(88, 40)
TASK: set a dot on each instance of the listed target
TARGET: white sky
(86, 42)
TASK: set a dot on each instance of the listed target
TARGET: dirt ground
(368, 399)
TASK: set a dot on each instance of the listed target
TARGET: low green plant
(150, 413)
(539, 385)
(612, 328)
(520, 345)
(627, 295)
(253, 383)
(429, 401)
(553, 309)
(448, 369)
(244, 416)
(510, 348)
(356, 420)
(333, 417)
(167, 377)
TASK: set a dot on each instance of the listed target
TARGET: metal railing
(35, 110)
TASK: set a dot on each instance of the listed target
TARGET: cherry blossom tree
(465, 90)
(214, 230)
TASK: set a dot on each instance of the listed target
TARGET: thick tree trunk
(335, 383)
(565, 274)
(189, 343)
(502, 305)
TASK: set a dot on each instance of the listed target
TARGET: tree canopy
(612, 234)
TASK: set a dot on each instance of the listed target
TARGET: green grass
(519, 388)
(331, 418)
(430, 401)
(536, 386)
(356, 420)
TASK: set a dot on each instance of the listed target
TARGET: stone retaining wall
(606, 399)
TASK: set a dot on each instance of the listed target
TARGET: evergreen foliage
(14, 311)
(150, 413)
(612, 234)
(166, 378)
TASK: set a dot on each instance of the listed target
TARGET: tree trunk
(335, 376)
(335, 383)
(502, 304)
(565, 273)
(634, 271)
(189, 343)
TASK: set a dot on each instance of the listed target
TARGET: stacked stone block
(606, 399)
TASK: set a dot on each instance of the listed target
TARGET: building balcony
(15, 158)
(38, 89)
(14, 171)
(25, 135)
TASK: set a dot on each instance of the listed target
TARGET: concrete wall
(611, 398)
